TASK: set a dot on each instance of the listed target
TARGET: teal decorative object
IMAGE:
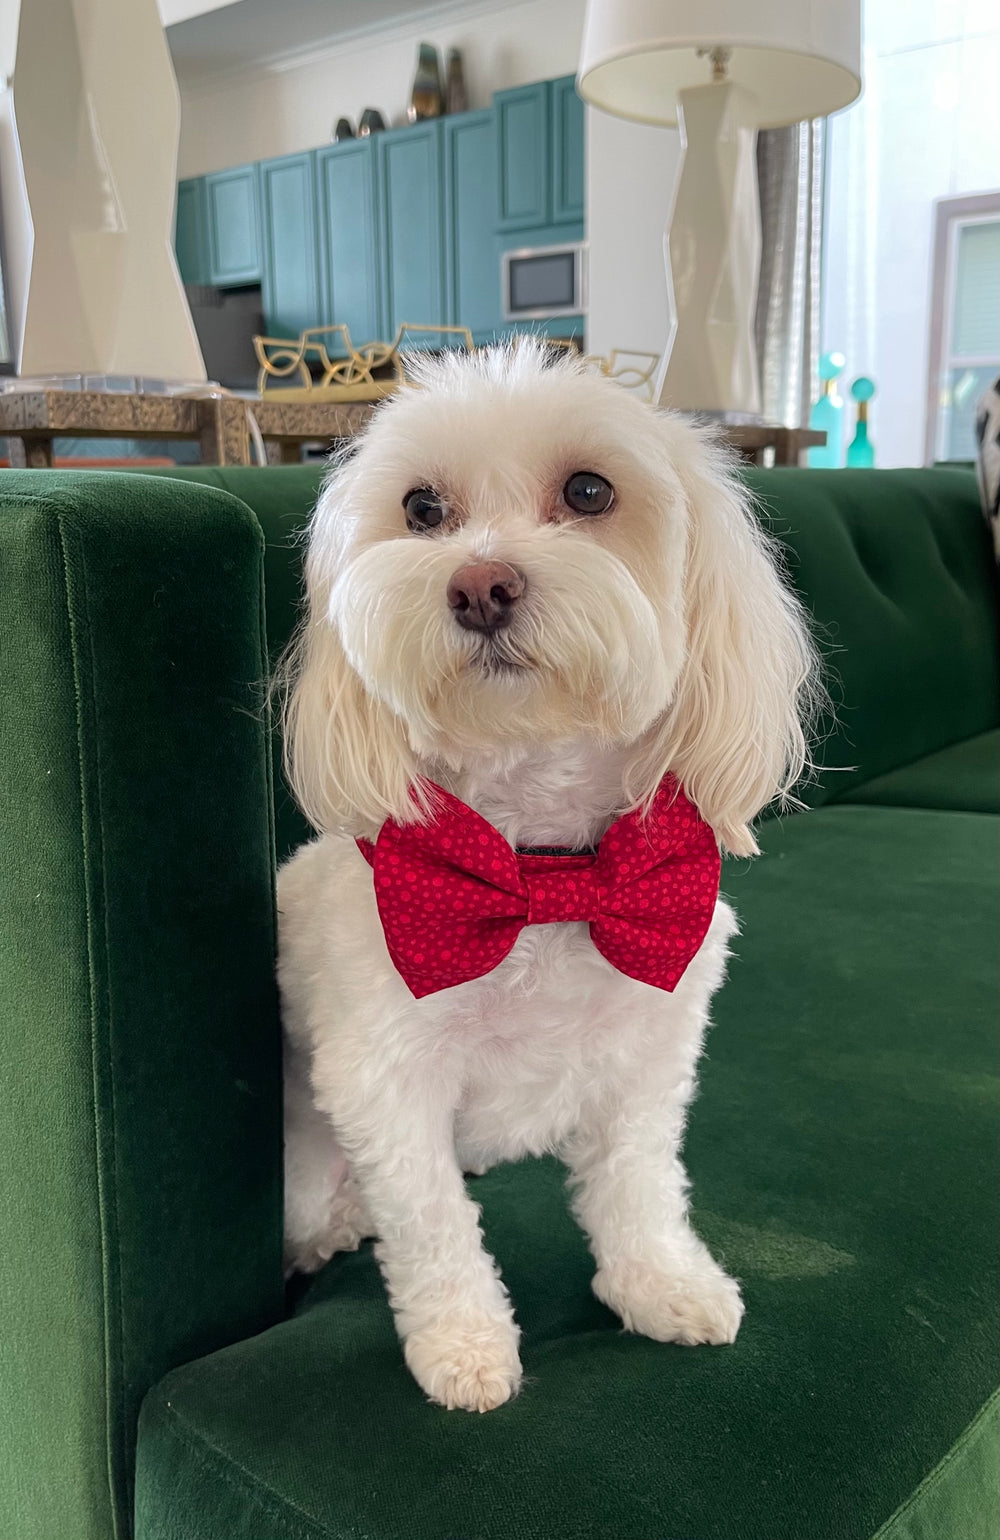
(861, 450)
(827, 414)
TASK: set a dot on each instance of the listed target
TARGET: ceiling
(240, 35)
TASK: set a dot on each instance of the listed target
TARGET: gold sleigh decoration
(351, 378)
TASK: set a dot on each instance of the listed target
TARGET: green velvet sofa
(157, 1379)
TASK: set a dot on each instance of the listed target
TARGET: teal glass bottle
(861, 450)
(827, 414)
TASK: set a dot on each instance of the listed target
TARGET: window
(965, 321)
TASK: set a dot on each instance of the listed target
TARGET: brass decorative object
(456, 95)
(427, 96)
(350, 378)
(632, 375)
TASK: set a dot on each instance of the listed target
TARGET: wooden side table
(32, 419)
(788, 444)
(288, 425)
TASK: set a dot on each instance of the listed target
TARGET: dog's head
(518, 552)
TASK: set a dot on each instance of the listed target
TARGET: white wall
(927, 126)
(292, 104)
(632, 173)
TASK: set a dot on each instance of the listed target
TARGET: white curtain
(790, 174)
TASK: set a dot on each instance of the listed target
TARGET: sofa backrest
(282, 497)
(897, 570)
(895, 567)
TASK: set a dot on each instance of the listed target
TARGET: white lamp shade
(797, 59)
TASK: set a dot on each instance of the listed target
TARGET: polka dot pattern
(453, 895)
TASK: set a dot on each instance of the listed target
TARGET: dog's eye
(424, 509)
(586, 492)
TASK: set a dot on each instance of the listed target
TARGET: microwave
(542, 281)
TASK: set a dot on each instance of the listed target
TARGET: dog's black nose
(482, 595)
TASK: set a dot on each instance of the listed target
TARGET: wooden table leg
(235, 435)
(784, 447)
(33, 453)
(224, 436)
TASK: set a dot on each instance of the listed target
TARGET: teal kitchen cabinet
(191, 231)
(470, 199)
(540, 155)
(233, 226)
(347, 211)
(405, 226)
(524, 162)
(566, 122)
(411, 244)
(290, 284)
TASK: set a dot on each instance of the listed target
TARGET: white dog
(533, 591)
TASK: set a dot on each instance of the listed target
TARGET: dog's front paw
(466, 1362)
(342, 1226)
(702, 1304)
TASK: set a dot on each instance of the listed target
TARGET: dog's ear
(346, 754)
(734, 734)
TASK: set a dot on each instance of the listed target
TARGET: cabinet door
(567, 152)
(233, 234)
(190, 231)
(289, 238)
(523, 156)
(346, 198)
(473, 257)
(412, 245)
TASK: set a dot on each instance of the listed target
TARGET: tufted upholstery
(895, 569)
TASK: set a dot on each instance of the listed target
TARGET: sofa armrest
(140, 1127)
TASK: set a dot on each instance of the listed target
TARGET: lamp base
(97, 145)
(712, 255)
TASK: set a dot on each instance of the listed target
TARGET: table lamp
(718, 70)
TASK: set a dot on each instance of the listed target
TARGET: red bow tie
(453, 895)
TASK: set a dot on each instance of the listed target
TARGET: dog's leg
(630, 1195)
(323, 1211)
(452, 1311)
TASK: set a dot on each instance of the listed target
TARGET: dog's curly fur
(656, 637)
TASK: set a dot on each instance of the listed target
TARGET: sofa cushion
(965, 776)
(843, 1154)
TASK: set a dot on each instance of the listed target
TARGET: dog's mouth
(495, 658)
